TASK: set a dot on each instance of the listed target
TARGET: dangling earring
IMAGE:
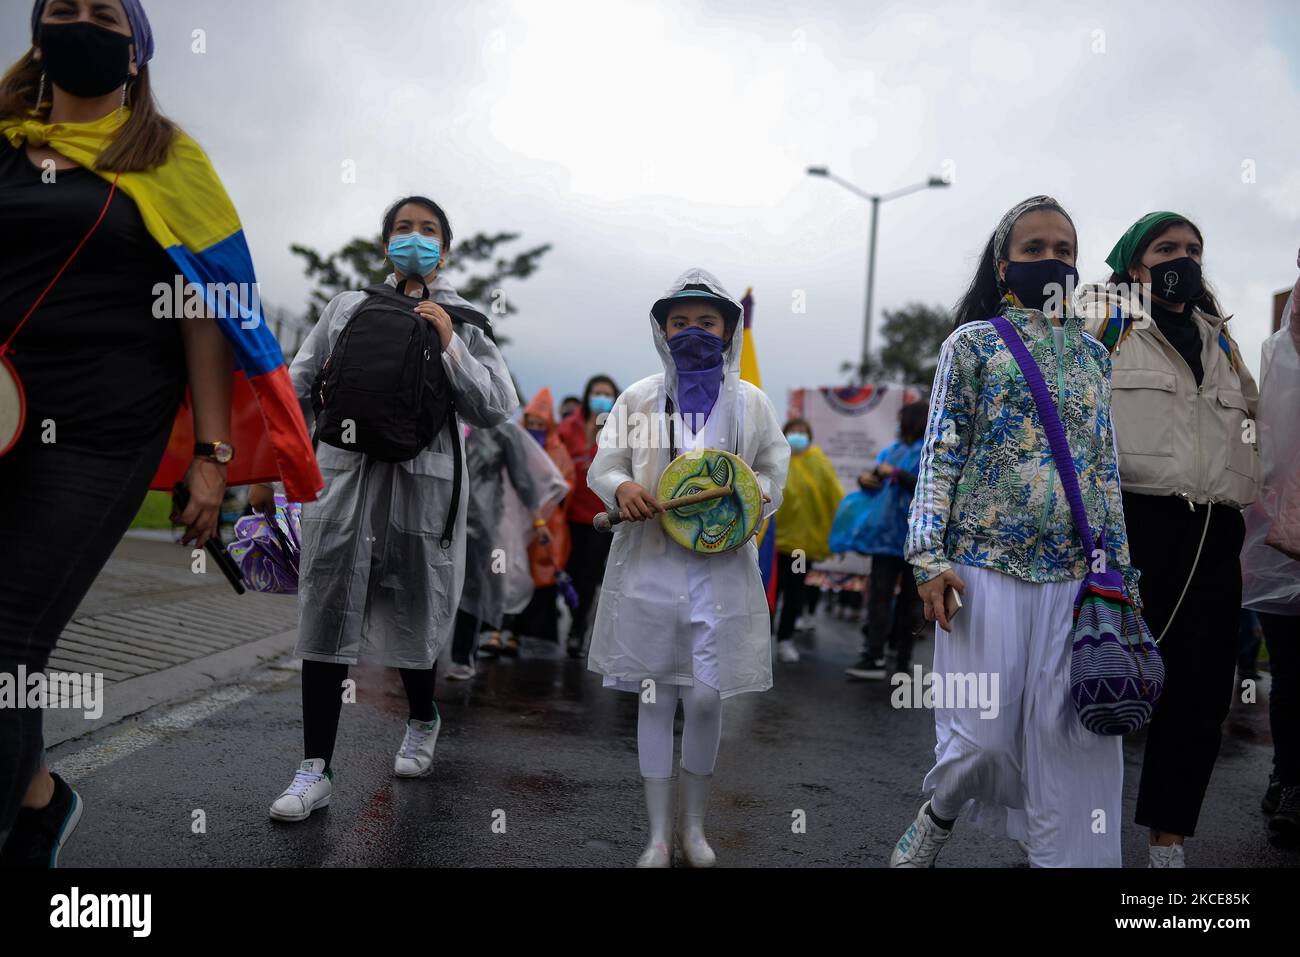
(121, 110)
(40, 93)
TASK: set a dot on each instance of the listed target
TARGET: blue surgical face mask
(798, 441)
(601, 404)
(538, 434)
(414, 255)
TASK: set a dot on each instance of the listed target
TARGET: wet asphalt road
(536, 766)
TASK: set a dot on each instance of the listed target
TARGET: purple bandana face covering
(698, 357)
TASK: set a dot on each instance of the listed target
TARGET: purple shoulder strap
(1052, 424)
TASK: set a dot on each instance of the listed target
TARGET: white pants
(1033, 772)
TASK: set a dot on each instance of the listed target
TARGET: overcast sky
(643, 138)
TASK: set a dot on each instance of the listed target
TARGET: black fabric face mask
(1037, 281)
(84, 59)
(1178, 280)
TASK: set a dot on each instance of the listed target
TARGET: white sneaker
(460, 672)
(803, 623)
(787, 652)
(311, 788)
(921, 842)
(1171, 856)
(415, 757)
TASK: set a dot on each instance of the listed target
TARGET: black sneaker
(1284, 825)
(867, 669)
(1272, 796)
(38, 836)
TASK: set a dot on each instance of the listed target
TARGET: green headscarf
(1128, 244)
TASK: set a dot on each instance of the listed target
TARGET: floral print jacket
(988, 493)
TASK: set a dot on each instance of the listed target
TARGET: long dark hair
(982, 298)
(1206, 302)
(140, 145)
(591, 384)
(912, 419)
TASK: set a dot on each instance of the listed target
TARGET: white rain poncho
(1270, 579)
(666, 613)
(510, 478)
(375, 580)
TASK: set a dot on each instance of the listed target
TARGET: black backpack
(384, 384)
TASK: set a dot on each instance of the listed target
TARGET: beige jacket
(1173, 437)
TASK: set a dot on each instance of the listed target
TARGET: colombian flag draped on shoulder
(766, 537)
(186, 209)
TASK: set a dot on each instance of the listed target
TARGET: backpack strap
(384, 290)
(112, 191)
(470, 317)
(1051, 420)
(449, 527)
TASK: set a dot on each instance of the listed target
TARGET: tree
(359, 264)
(913, 335)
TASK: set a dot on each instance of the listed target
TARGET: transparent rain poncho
(1269, 566)
(666, 613)
(375, 581)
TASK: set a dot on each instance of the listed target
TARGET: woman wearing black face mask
(100, 196)
(990, 518)
(1183, 403)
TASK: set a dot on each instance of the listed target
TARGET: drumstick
(605, 521)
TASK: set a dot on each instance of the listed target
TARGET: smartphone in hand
(951, 603)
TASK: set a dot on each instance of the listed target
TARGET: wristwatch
(219, 452)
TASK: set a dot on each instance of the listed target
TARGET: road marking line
(126, 743)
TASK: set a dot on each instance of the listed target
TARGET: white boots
(690, 822)
(659, 807)
(694, 802)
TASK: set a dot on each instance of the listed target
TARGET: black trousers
(464, 638)
(587, 569)
(322, 701)
(888, 619)
(1282, 635)
(62, 512)
(540, 618)
(791, 594)
(1199, 649)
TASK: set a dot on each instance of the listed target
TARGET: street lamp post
(876, 200)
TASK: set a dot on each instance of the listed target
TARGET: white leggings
(701, 730)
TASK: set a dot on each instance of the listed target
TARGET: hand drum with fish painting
(723, 524)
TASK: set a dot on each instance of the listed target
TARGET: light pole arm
(915, 188)
(851, 188)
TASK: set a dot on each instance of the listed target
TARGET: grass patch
(154, 512)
